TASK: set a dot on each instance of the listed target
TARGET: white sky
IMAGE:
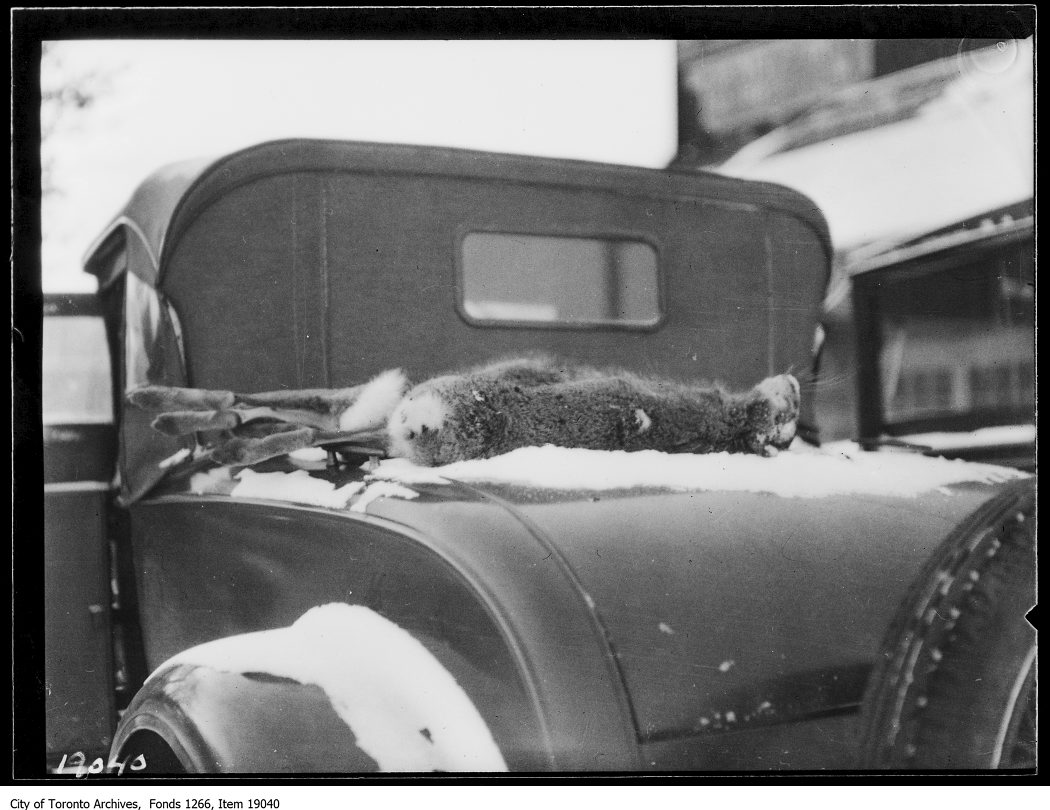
(168, 100)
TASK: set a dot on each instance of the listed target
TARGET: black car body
(640, 628)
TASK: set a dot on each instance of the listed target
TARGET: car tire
(954, 685)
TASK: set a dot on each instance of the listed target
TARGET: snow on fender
(406, 710)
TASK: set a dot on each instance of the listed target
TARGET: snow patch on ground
(176, 458)
(382, 489)
(984, 437)
(801, 472)
(405, 472)
(297, 487)
(406, 710)
(217, 481)
(308, 455)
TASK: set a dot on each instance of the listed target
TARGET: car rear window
(512, 278)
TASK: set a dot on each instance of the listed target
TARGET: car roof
(169, 198)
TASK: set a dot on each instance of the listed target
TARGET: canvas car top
(178, 191)
(318, 264)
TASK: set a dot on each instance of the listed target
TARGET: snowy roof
(967, 151)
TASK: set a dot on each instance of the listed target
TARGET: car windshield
(956, 342)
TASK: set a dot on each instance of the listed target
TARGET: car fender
(195, 719)
(343, 689)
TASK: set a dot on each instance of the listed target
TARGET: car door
(79, 452)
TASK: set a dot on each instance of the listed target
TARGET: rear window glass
(575, 281)
(75, 385)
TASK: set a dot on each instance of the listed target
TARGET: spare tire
(954, 685)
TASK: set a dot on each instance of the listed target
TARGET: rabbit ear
(242, 451)
(326, 401)
(358, 407)
(179, 423)
(161, 398)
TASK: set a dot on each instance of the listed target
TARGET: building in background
(732, 91)
(921, 156)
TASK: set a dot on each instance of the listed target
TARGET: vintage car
(598, 611)
(944, 337)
